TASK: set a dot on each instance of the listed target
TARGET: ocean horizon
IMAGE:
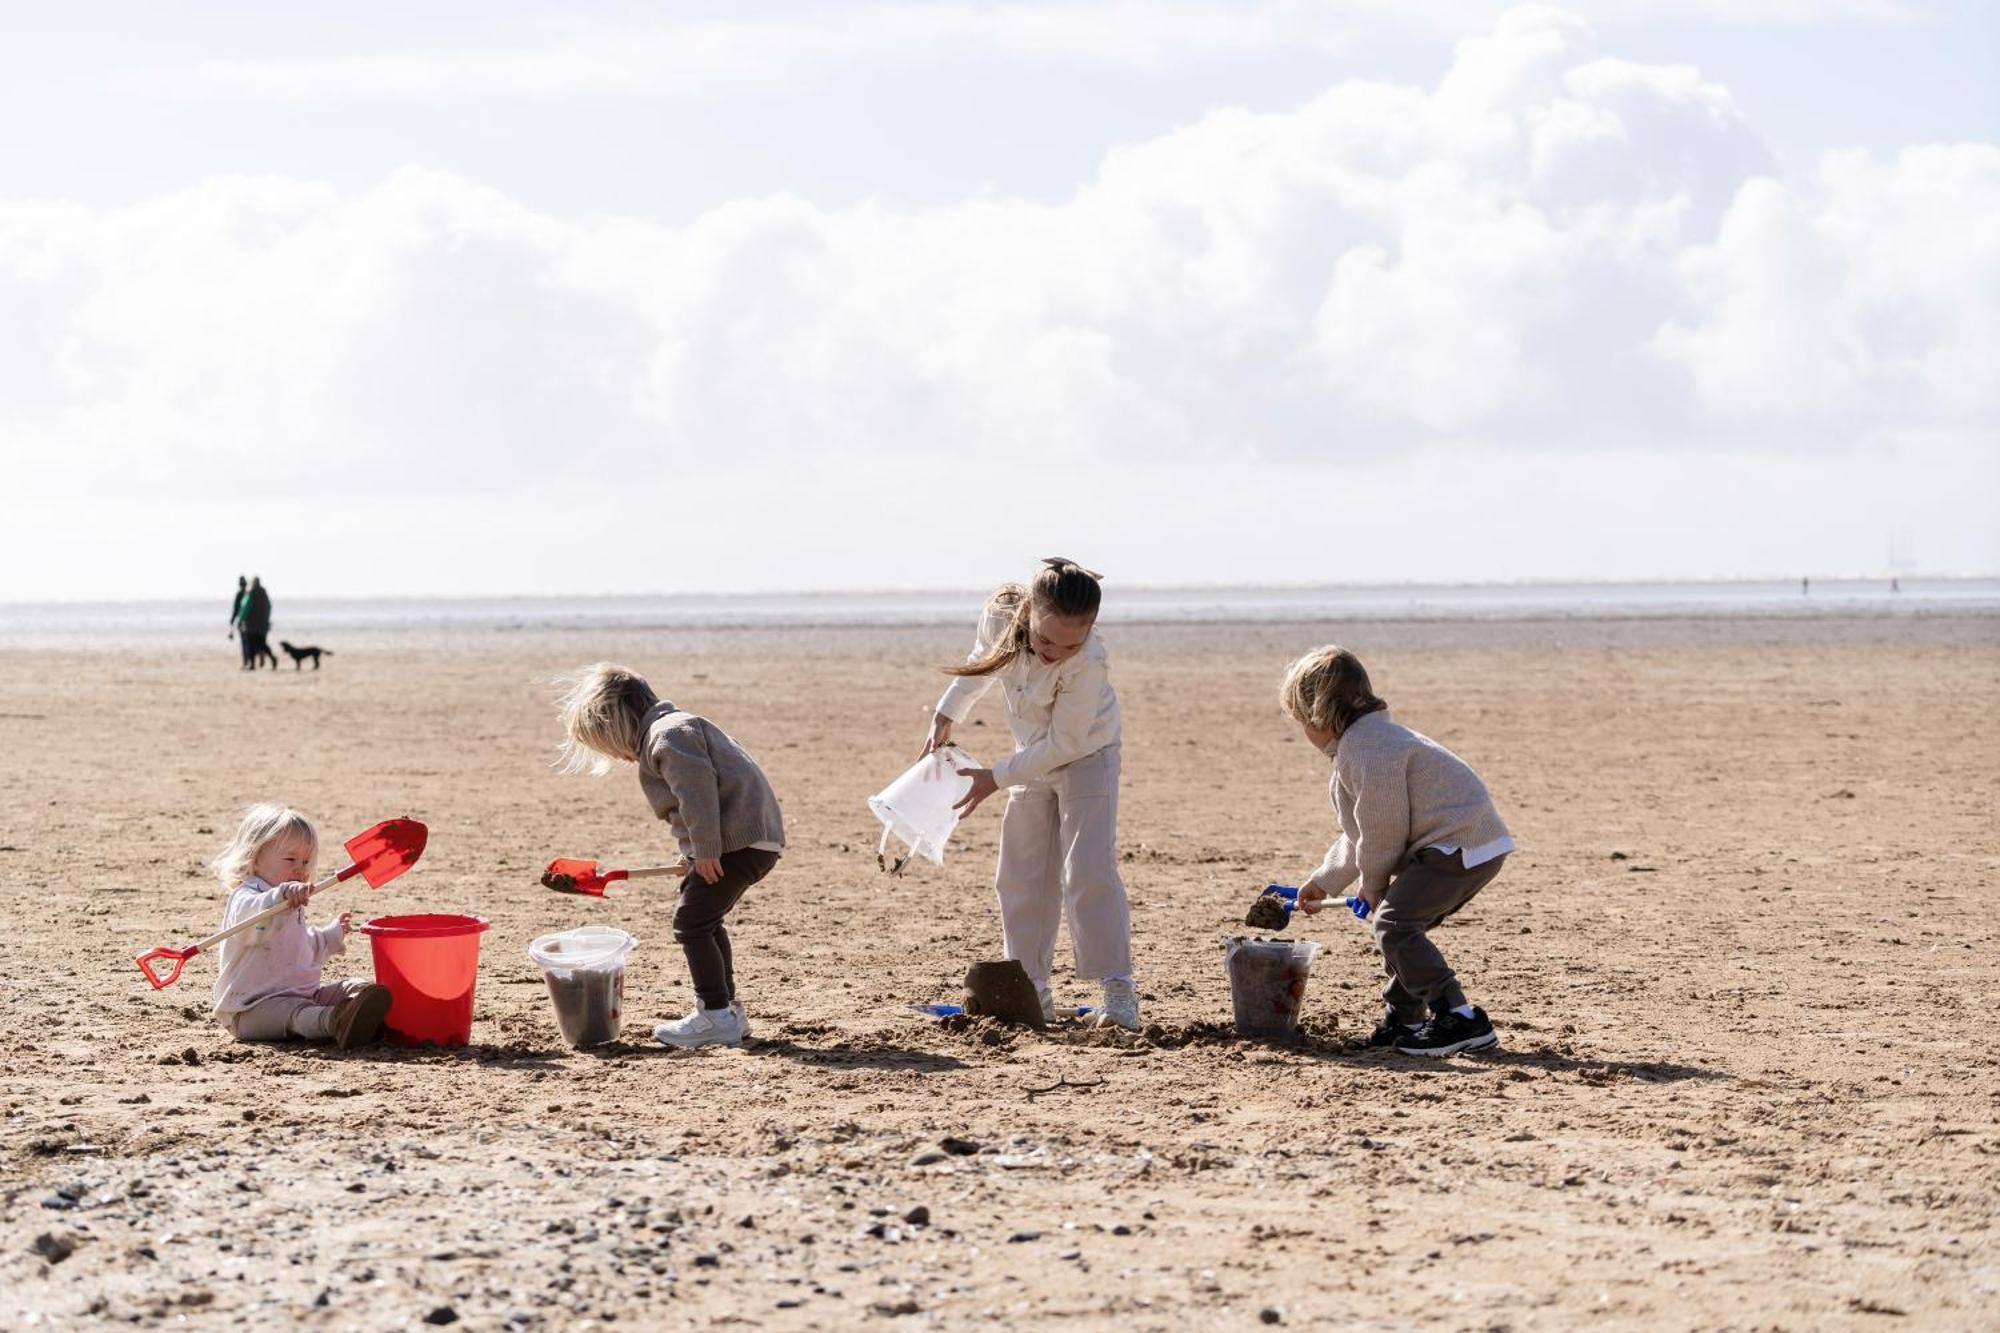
(187, 622)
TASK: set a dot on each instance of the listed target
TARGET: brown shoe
(358, 1018)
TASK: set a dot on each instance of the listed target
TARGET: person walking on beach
(237, 610)
(1417, 829)
(1059, 835)
(257, 624)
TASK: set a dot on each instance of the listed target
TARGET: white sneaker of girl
(1048, 999)
(1121, 1005)
(703, 1027)
(742, 1017)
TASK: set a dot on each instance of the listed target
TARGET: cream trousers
(276, 1017)
(1059, 857)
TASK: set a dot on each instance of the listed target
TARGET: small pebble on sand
(54, 1248)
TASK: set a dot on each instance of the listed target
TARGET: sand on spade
(1268, 913)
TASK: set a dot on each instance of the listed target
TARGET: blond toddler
(269, 984)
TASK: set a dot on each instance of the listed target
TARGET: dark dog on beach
(299, 655)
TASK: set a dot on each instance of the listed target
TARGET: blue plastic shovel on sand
(1288, 897)
(952, 1010)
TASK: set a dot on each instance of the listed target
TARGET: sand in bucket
(585, 969)
(1267, 984)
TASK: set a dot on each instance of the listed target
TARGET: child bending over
(1059, 835)
(720, 806)
(1417, 829)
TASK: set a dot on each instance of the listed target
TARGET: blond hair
(602, 707)
(1328, 690)
(1061, 587)
(263, 824)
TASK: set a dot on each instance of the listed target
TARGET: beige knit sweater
(1397, 791)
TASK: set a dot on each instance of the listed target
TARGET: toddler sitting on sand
(1419, 831)
(268, 987)
(721, 808)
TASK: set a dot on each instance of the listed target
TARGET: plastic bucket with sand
(585, 969)
(1267, 983)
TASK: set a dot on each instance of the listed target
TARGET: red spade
(379, 855)
(566, 875)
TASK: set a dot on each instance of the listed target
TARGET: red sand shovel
(379, 855)
(570, 876)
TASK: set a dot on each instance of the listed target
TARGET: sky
(490, 298)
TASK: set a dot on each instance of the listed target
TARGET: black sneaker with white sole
(1388, 1032)
(1449, 1033)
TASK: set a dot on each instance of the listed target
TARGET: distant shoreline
(509, 628)
(1828, 585)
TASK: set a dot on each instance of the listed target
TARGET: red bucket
(429, 962)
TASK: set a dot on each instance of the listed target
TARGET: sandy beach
(1744, 966)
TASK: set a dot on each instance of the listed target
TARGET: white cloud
(1549, 248)
(1873, 299)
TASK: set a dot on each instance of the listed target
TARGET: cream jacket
(281, 957)
(1058, 712)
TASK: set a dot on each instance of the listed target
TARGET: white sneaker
(1121, 1005)
(1048, 999)
(742, 1018)
(703, 1027)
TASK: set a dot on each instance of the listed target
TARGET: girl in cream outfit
(1058, 838)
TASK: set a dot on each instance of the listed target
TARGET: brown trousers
(1430, 887)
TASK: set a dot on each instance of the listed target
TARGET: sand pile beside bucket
(1003, 991)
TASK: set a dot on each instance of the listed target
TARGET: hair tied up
(1061, 587)
(1062, 564)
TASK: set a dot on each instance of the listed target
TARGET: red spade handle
(179, 956)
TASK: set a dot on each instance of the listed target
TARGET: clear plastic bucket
(1267, 983)
(916, 808)
(585, 969)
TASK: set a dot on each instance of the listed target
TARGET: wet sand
(1744, 966)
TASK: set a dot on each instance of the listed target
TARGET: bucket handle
(882, 856)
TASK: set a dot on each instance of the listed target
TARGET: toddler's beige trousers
(1059, 857)
(276, 1017)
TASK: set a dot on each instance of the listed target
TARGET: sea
(166, 625)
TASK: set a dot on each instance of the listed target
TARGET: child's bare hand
(1311, 899)
(297, 894)
(347, 923)
(1373, 897)
(983, 786)
(709, 868)
(940, 734)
